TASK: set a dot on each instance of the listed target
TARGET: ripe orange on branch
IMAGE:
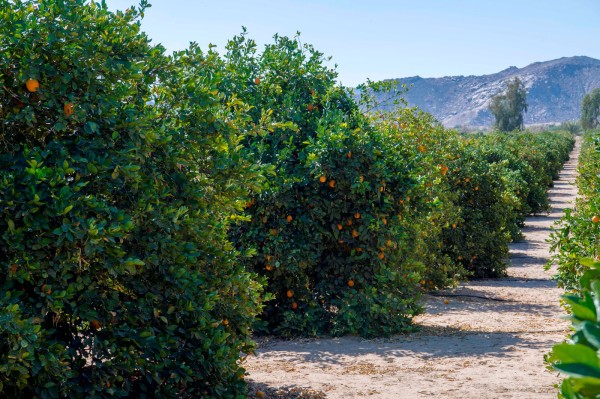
(32, 85)
(69, 109)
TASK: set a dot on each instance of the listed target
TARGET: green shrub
(577, 236)
(116, 275)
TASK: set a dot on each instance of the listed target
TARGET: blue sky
(382, 39)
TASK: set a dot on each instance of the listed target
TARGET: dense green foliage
(575, 242)
(500, 179)
(508, 107)
(578, 358)
(116, 276)
(363, 212)
(578, 234)
(590, 110)
(145, 200)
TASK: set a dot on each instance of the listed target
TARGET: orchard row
(576, 242)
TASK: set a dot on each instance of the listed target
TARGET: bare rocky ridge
(487, 342)
(555, 90)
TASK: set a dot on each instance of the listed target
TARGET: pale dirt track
(469, 348)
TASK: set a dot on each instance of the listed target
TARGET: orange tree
(532, 161)
(326, 231)
(479, 241)
(116, 171)
(432, 204)
(576, 242)
(578, 234)
(500, 179)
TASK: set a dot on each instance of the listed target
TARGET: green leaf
(591, 332)
(569, 353)
(92, 168)
(579, 370)
(579, 308)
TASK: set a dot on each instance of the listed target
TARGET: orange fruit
(476, 188)
(596, 219)
(467, 180)
(339, 226)
(95, 324)
(225, 322)
(32, 85)
(359, 249)
(289, 218)
(446, 301)
(354, 233)
(269, 267)
(323, 179)
(349, 154)
(453, 225)
(357, 215)
(349, 222)
(350, 283)
(381, 255)
(68, 109)
(294, 305)
(310, 107)
(381, 188)
(332, 183)
(268, 257)
(384, 220)
(421, 148)
(444, 169)
(257, 81)
(459, 257)
(290, 293)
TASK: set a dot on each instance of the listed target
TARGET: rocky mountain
(554, 92)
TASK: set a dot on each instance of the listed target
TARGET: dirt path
(468, 348)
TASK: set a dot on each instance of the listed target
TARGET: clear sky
(383, 39)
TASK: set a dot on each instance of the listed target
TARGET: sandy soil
(469, 348)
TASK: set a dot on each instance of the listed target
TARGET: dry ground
(469, 348)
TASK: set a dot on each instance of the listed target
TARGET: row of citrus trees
(576, 242)
(147, 201)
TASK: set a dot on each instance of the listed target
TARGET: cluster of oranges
(33, 85)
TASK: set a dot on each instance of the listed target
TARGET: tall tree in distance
(590, 110)
(508, 107)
